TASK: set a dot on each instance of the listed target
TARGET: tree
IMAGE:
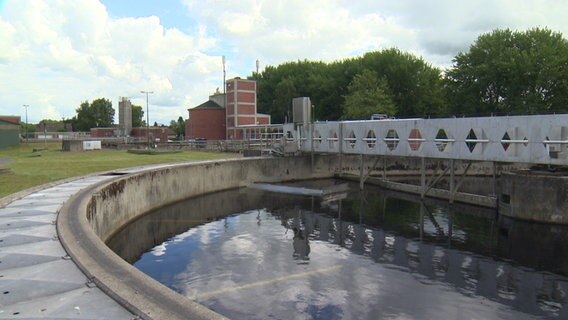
(283, 95)
(98, 114)
(368, 94)
(28, 128)
(178, 127)
(181, 128)
(83, 121)
(511, 72)
(416, 86)
(137, 116)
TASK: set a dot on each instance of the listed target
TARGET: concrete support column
(452, 180)
(385, 167)
(423, 177)
(361, 172)
(494, 179)
(340, 137)
(312, 132)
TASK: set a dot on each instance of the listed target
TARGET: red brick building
(103, 132)
(157, 134)
(206, 121)
(238, 120)
(242, 108)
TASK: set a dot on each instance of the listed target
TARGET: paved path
(37, 278)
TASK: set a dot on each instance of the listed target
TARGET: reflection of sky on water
(243, 267)
(389, 256)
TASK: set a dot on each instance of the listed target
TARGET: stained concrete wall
(125, 199)
(72, 145)
(116, 204)
(535, 196)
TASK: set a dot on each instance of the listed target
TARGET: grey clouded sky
(56, 53)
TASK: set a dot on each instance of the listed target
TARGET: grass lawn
(26, 168)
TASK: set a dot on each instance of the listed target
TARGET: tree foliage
(98, 114)
(137, 116)
(415, 86)
(511, 72)
(368, 94)
(178, 127)
(27, 128)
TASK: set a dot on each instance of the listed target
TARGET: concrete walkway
(37, 278)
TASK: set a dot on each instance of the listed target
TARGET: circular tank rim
(134, 290)
(131, 288)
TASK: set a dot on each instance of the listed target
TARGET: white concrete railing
(539, 139)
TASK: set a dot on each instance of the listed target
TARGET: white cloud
(275, 31)
(56, 53)
(59, 53)
(289, 30)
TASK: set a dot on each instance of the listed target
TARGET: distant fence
(260, 145)
(262, 142)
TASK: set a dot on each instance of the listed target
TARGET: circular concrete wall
(93, 215)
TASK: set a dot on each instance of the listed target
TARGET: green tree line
(504, 72)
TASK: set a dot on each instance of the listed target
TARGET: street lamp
(26, 126)
(147, 117)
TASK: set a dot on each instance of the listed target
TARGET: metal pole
(225, 100)
(312, 127)
(45, 135)
(26, 126)
(147, 118)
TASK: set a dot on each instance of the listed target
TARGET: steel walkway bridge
(538, 139)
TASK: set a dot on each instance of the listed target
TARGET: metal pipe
(147, 118)
(26, 126)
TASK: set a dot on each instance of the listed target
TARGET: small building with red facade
(230, 116)
(207, 120)
(103, 132)
(156, 134)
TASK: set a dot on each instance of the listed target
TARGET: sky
(55, 54)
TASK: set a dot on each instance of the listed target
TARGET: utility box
(91, 145)
(302, 108)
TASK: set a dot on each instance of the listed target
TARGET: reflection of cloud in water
(185, 235)
(244, 246)
(159, 250)
(244, 265)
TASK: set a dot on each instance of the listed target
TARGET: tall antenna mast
(224, 75)
(225, 101)
(257, 65)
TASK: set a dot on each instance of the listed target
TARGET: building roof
(11, 119)
(209, 104)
